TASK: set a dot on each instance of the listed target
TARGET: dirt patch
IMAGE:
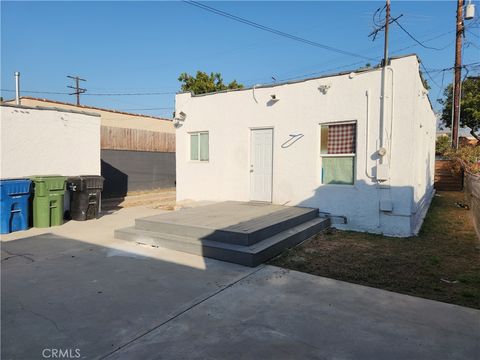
(442, 263)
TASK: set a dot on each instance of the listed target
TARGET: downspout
(383, 114)
(367, 127)
(390, 140)
(385, 149)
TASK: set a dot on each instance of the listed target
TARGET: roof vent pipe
(17, 88)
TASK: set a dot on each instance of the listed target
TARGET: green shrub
(443, 144)
(466, 157)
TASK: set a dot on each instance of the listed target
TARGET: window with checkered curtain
(337, 149)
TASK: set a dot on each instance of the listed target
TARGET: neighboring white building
(316, 143)
(39, 140)
(109, 117)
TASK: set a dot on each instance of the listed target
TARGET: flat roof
(50, 108)
(360, 70)
(89, 107)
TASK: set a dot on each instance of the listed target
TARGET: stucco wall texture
(109, 118)
(48, 142)
(409, 133)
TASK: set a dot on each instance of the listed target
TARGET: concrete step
(244, 233)
(249, 255)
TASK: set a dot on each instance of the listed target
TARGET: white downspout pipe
(367, 130)
(17, 88)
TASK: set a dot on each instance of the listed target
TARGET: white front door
(261, 164)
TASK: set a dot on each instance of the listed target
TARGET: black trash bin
(85, 196)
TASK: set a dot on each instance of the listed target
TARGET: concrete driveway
(75, 290)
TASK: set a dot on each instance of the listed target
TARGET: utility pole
(77, 88)
(458, 75)
(387, 21)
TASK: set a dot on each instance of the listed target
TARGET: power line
(274, 31)
(441, 86)
(91, 94)
(472, 33)
(428, 40)
(321, 72)
(147, 109)
(38, 92)
(430, 76)
(132, 94)
(413, 38)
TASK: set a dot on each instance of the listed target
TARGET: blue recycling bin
(14, 205)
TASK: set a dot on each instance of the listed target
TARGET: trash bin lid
(52, 182)
(93, 181)
(14, 187)
(84, 182)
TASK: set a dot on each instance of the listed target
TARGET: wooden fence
(472, 192)
(113, 138)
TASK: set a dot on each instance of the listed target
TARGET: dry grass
(442, 263)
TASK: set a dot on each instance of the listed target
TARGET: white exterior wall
(109, 117)
(48, 142)
(229, 116)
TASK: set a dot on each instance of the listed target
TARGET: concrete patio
(76, 287)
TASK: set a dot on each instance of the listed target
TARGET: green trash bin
(48, 200)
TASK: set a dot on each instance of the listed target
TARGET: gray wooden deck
(241, 232)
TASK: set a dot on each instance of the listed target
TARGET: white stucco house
(333, 142)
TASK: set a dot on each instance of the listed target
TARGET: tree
(469, 105)
(203, 83)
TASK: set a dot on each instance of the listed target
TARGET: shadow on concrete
(116, 182)
(61, 293)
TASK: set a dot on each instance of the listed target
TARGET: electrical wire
(92, 94)
(414, 39)
(274, 31)
(38, 92)
(430, 76)
(441, 85)
(129, 94)
(148, 109)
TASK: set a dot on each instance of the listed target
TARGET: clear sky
(138, 47)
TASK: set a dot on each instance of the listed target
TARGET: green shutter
(203, 146)
(337, 170)
(193, 146)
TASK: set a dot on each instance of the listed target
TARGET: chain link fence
(472, 191)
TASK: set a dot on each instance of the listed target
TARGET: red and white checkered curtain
(341, 139)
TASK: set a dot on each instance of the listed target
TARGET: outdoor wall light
(324, 88)
(274, 97)
(179, 119)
